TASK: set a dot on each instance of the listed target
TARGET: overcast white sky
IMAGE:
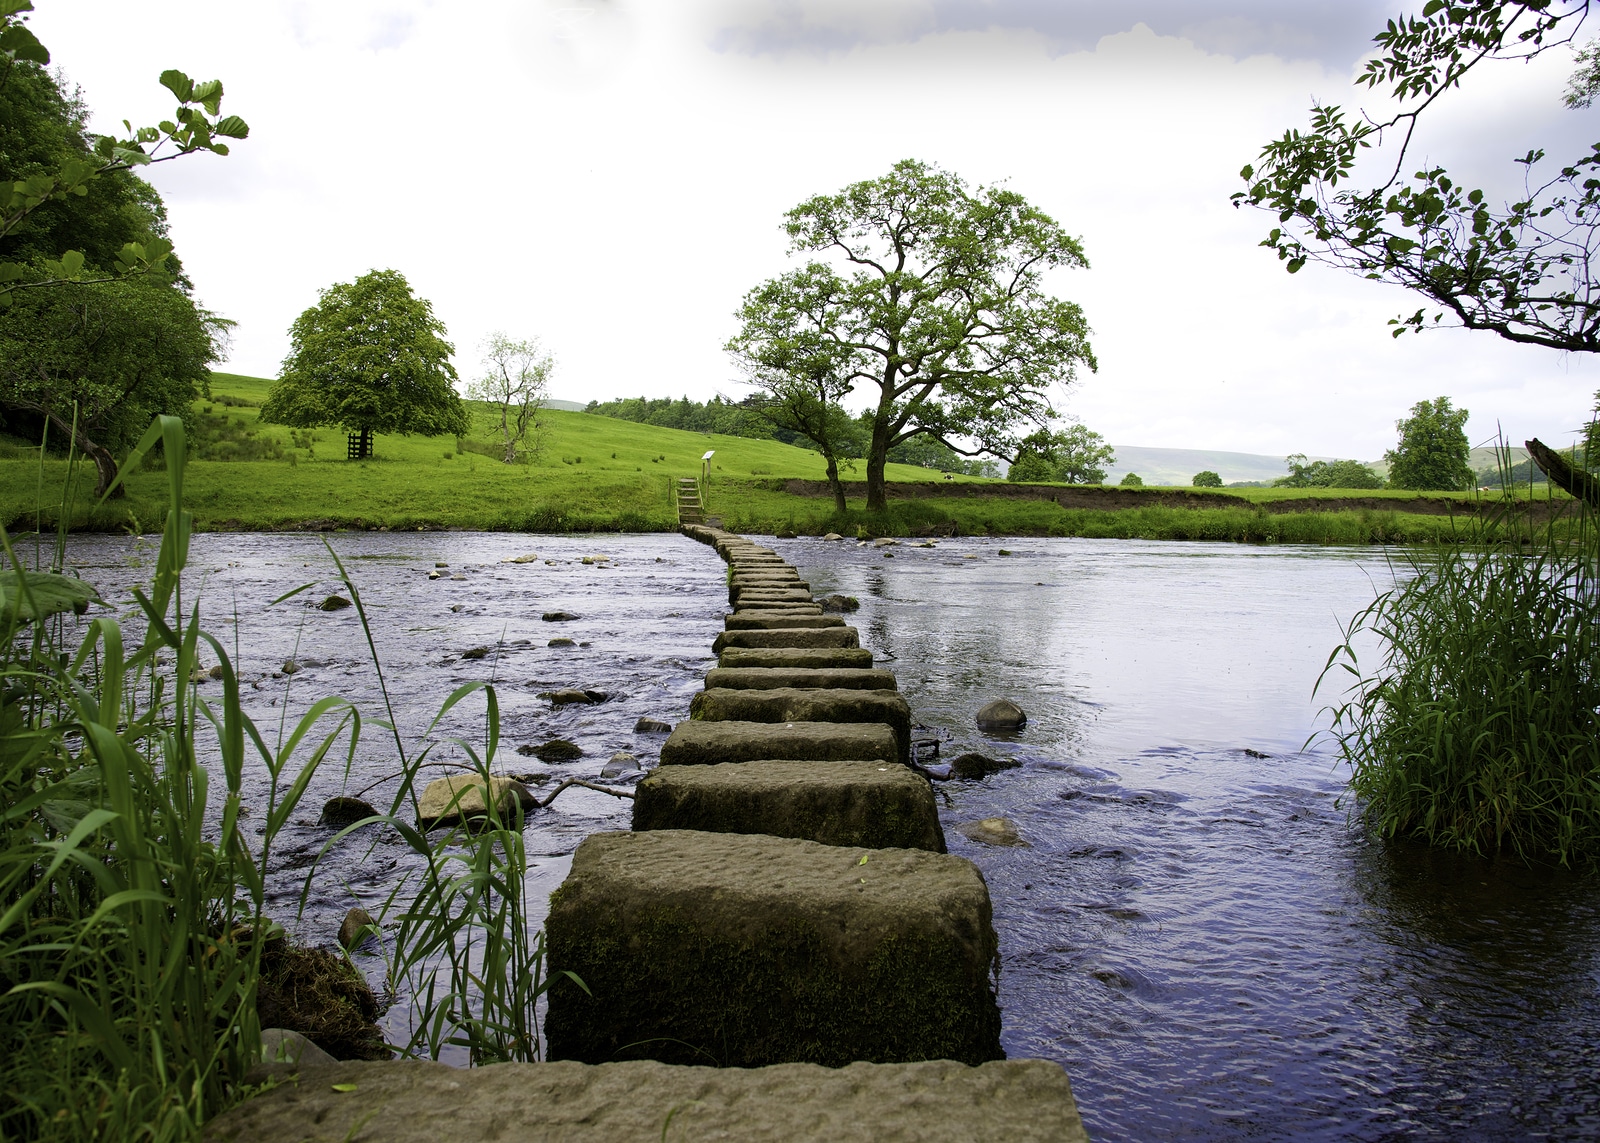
(610, 176)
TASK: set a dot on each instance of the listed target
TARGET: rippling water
(1193, 930)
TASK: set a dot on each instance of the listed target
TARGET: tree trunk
(1573, 481)
(835, 484)
(105, 465)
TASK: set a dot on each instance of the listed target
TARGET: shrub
(1207, 479)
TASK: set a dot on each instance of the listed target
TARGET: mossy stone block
(787, 637)
(815, 658)
(875, 805)
(771, 619)
(713, 743)
(802, 604)
(767, 678)
(800, 704)
(746, 950)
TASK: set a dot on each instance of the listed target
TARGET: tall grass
(132, 922)
(1480, 728)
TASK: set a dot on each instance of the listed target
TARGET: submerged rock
(357, 926)
(839, 604)
(978, 766)
(561, 641)
(556, 750)
(991, 831)
(340, 812)
(290, 667)
(621, 763)
(567, 695)
(1002, 714)
(333, 603)
(475, 653)
(557, 616)
(652, 726)
(530, 558)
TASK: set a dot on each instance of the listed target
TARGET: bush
(1131, 480)
(1207, 479)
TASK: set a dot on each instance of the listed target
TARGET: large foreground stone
(766, 678)
(772, 619)
(938, 1101)
(787, 637)
(875, 805)
(449, 800)
(799, 704)
(815, 658)
(712, 743)
(748, 950)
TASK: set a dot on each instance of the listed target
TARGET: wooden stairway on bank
(690, 510)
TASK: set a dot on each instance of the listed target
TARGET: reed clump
(1480, 728)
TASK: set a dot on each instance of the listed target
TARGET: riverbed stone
(872, 804)
(772, 620)
(649, 725)
(340, 812)
(417, 1101)
(973, 765)
(766, 678)
(357, 926)
(799, 704)
(711, 743)
(992, 831)
(839, 604)
(815, 658)
(1002, 714)
(758, 950)
(558, 616)
(446, 801)
(774, 594)
(840, 636)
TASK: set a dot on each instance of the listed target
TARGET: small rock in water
(652, 726)
(199, 675)
(969, 555)
(290, 667)
(458, 577)
(839, 604)
(561, 641)
(433, 575)
(833, 536)
(333, 603)
(530, 558)
(1255, 753)
(1002, 714)
(457, 606)
(340, 812)
(885, 542)
(978, 766)
(475, 653)
(992, 831)
(441, 564)
(358, 925)
(621, 763)
(557, 616)
(217, 672)
(556, 750)
(1004, 552)
(567, 695)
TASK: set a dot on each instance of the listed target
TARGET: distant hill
(1178, 465)
(569, 406)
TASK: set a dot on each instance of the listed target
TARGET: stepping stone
(800, 606)
(751, 950)
(710, 743)
(766, 678)
(413, 1101)
(767, 619)
(815, 658)
(872, 805)
(744, 596)
(787, 637)
(798, 704)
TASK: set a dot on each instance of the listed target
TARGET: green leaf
(344, 1087)
(863, 860)
(179, 84)
(34, 595)
(19, 43)
(233, 127)
(208, 95)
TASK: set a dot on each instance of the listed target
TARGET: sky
(611, 176)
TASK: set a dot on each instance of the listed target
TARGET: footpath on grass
(781, 948)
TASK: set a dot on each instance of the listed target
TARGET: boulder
(840, 636)
(558, 616)
(340, 812)
(1002, 714)
(775, 620)
(767, 678)
(757, 950)
(710, 743)
(447, 801)
(875, 804)
(652, 726)
(977, 766)
(799, 704)
(357, 926)
(415, 1101)
(562, 641)
(475, 653)
(568, 695)
(619, 764)
(290, 667)
(992, 831)
(816, 658)
(839, 604)
(556, 750)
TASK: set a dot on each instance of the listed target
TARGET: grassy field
(601, 474)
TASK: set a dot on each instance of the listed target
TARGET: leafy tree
(1327, 474)
(933, 297)
(1207, 479)
(1433, 449)
(516, 380)
(1075, 455)
(47, 161)
(371, 358)
(1130, 480)
(1522, 269)
(98, 362)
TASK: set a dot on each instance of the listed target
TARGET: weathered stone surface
(992, 831)
(568, 695)
(839, 604)
(620, 763)
(652, 726)
(448, 800)
(710, 743)
(798, 704)
(1002, 714)
(774, 621)
(766, 678)
(777, 592)
(817, 658)
(978, 766)
(875, 805)
(840, 636)
(405, 1101)
(798, 606)
(761, 950)
(340, 812)
(356, 927)
(558, 616)
(333, 603)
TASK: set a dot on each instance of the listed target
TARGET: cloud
(1335, 33)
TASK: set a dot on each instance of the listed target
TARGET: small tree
(936, 303)
(1131, 480)
(1205, 478)
(1433, 449)
(369, 357)
(516, 379)
(1075, 455)
(1327, 474)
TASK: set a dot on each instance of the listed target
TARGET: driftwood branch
(612, 790)
(1562, 474)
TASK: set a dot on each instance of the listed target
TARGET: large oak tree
(932, 297)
